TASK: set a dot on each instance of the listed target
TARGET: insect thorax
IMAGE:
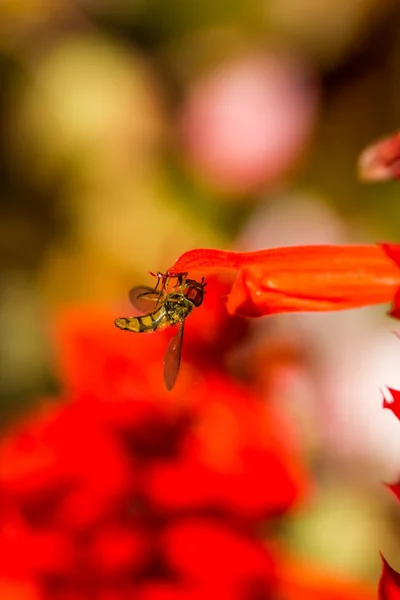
(178, 310)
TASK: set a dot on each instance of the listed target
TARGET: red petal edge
(394, 404)
(393, 252)
(389, 584)
(201, 259)
(394, 488)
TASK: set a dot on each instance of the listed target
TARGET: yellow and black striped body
(170, 309)
(175, 308)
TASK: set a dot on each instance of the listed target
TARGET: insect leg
(162, 281)
(181, 281)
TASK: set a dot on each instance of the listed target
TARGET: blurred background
(134, 130)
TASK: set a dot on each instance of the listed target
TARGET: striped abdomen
(145, 324)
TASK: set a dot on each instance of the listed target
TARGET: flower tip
(384, 398)
(389, 584)
(381, 160)
(394, 312)
(383, 559)
(369, 168)
(388, 396)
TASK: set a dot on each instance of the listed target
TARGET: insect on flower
(162, 309)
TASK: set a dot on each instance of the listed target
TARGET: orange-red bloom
(302, 278)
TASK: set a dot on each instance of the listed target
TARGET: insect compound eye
(195, 295)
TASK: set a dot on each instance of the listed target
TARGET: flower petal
(208, 551)
(393, 251)
(211, 259)
(395, 488)
(394, 404)
(389, 585)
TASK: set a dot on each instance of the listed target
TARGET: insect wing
(172, 358)
(143, 298)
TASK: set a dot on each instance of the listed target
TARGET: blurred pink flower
(246, 123)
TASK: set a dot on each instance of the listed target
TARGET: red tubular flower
(302, 278)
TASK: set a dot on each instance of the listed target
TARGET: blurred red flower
(302, 278)
(123, 490)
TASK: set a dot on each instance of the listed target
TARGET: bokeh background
(134, 130)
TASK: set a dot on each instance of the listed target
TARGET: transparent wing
(143, 298)
(172, 358)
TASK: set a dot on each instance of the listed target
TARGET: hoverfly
(163, 309)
